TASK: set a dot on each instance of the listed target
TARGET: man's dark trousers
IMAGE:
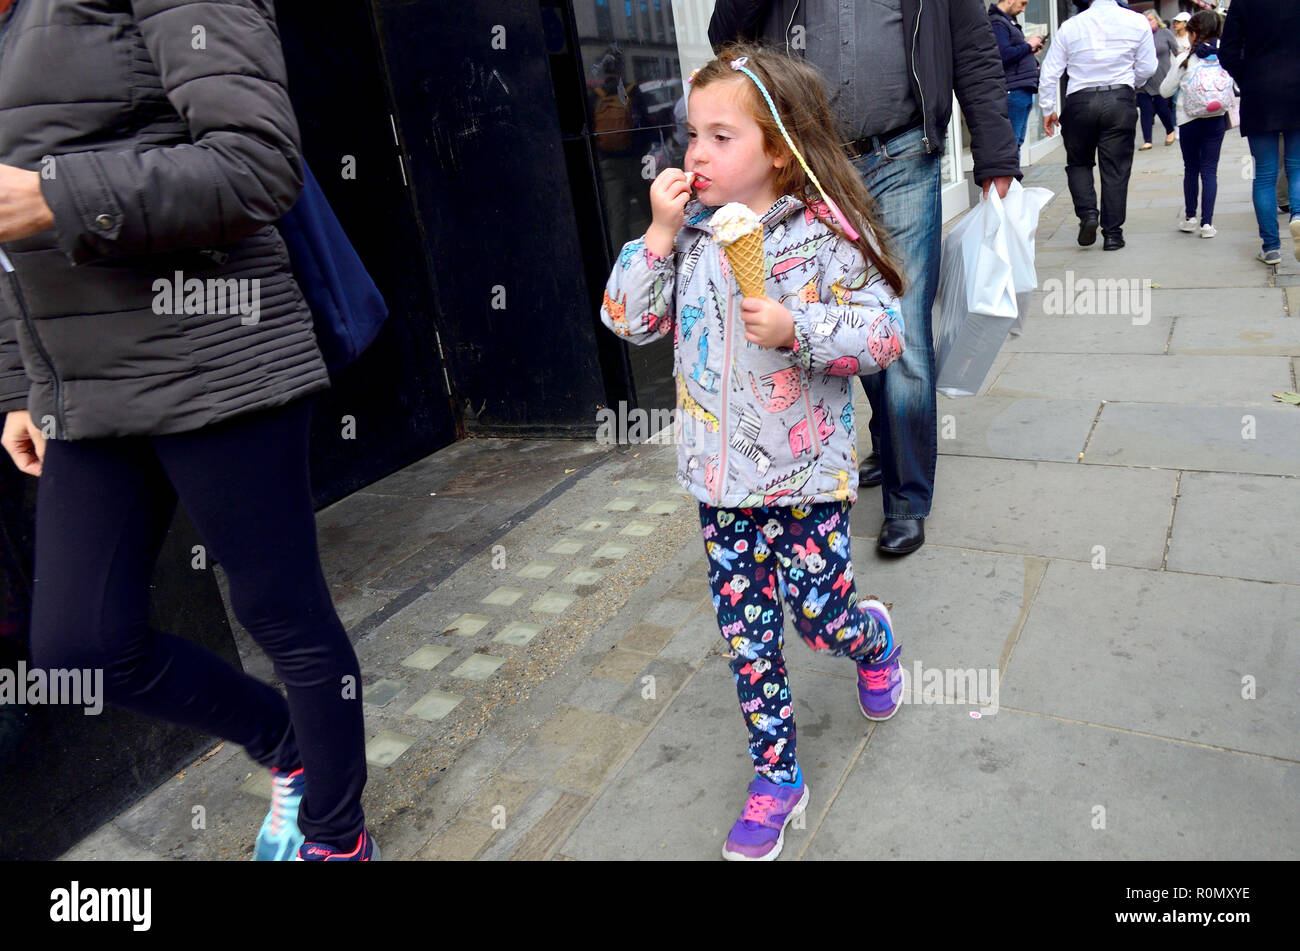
(1099, 128)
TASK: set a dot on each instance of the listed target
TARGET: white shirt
(1105, 45)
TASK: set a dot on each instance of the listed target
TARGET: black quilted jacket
(162, 299)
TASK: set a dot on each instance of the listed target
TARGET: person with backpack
(1205, 98)
(1261, 49)
(133, 204)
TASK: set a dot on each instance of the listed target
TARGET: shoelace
(759, 808)
(282, 796)
(877, 679)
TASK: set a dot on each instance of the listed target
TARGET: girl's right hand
(24, 442)
(669, 194)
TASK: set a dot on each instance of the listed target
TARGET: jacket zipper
(916, 29)
(726, 392)
(60, 426)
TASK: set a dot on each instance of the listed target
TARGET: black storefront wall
(479, 129)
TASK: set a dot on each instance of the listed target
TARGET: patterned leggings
(811, 570)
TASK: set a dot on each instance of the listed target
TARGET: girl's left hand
(767, 323)
(23, 210)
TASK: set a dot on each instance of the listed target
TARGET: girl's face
(726, 149)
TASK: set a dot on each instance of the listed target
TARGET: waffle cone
(746, 257)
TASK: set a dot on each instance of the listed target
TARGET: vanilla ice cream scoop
(732, 222)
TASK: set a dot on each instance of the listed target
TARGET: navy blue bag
(347, 308)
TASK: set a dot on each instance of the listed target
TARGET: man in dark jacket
(1017, 60)
(891, 68)
(1261, 49)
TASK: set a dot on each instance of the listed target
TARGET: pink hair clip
(691, 78)
(737, 63)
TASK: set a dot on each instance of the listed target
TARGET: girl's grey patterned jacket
(759, 426)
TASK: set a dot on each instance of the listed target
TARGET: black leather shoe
(1113, 242)
(1088, 231)
(869, 473)
(901, 536)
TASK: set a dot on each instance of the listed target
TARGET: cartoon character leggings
(760, 558)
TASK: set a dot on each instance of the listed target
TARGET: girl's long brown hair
(796, 89)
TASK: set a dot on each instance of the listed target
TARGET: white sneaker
(1188, 224)
(1295, 236)
(1208, 231)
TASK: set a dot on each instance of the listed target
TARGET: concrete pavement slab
(1164, 653)
(1047, 509)
(1239, 526)
(934, 784)
(1140, 378)
(1224, 439)
(1049, 333)
(1228, 334)
(1047, 430)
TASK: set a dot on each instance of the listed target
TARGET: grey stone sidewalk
(1113, 539)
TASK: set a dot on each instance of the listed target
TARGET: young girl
(1201, 138)
(766, 441)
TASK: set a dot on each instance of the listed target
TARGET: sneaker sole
(799, 807)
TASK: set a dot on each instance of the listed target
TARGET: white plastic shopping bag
(985, 276)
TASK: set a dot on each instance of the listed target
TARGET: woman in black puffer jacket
(154, 344)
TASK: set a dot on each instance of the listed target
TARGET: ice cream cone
(746, 257)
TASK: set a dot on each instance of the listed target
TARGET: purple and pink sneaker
(366, 850)
(759, 833)
(880, 685)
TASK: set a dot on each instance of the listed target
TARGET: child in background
(766, 428)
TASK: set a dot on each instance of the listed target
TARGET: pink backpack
(1209, 91)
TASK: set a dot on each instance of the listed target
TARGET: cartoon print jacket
(760, 426)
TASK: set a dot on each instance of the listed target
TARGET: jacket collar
(699, 214)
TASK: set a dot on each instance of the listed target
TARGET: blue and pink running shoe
(366, 850)
(759, 833)
(880, 685)
(279, 839)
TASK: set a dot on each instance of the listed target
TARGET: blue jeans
(1020, 102)
(906, 182)
(1264, 149)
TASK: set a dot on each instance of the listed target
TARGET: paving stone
(1030, 787)
(1151, 651)
(698, 776)
(384, 749)
(1047, 430)
(1048, 509)
(549, 831)
(584, 576)
(662, 508)
(567, 727)
(638, 529)
(478, 667)
(504, 596)
(603, 748)
(467, 625)
(518, 633)
(1065, 334)
(595, 525)
(1198, 437)
(258, 783)
(613, 552)
(552, 603)
(621, 505)
(434, 705)
(428, 657)
(109, 843)
(639, 485)
(481, 821)
(1237, 526)
(535, 569)
(669, 612)
(646, 638)
(1293, 301)
(1226, 334)
(696, 636)
(620, 665)
(1248, 381)
(381, 692)
(566, 548)
(651, 690)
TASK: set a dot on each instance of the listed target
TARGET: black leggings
(103, 508)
